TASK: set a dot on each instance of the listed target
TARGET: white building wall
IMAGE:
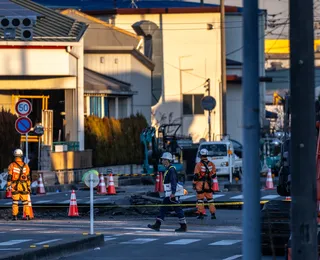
(187, 44)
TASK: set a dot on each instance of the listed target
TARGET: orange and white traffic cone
(160, 188)
(73, 207)
(41, 189)
(29, 209)
(156, 187)
(269, 181)
(215, 184)
(8, 194)
(102, 186)
(111, 188)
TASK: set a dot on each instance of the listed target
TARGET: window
(95, 106)
(215, 149)
(192, 104)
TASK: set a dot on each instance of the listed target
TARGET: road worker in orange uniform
(18, 182)
(204, 172)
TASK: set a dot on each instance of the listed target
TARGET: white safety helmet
(18, 153)
(167, 156)
(204, 152)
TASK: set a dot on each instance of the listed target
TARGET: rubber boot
(213, 216)
(26, 218)
(155, 226)
(14, 218)
(183, 228)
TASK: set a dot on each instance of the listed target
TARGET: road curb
(58, 250)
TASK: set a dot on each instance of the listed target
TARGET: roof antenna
(133, 4)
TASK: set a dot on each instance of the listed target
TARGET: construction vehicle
(165, 141)
(270, 149)
(275, 215)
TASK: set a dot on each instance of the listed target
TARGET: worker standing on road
(170, 177)
(204, 172)
(19, 183)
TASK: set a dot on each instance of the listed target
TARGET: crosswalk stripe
(48, 241)
(41, 201)
(11, 249)
(14, 242)
(182, 241)
(237, 197)
(187, 197)
(225, 243)
(139, 241)
(270, 197)
(232, 257)
(215, 196)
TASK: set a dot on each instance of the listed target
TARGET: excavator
(275, 214)
(167, 141)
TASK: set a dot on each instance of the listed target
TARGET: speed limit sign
(23, 107)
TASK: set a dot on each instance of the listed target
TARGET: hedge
(115, 142)
(9, 138)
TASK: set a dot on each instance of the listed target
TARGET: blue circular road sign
(23, 125)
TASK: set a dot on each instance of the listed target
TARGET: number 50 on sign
(23, 107)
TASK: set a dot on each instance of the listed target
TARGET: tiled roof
(51, 26)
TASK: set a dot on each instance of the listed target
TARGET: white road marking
(225, 243)
(101, 199)
(11, 248)
(239, 197)
(215, 196)
(8, 203)
(139, 241)
(270, 197)
(14, 242)
(108, 238)
(48, 241)
(41, 201)
(183, 241)
(187, 197)
(232, 257)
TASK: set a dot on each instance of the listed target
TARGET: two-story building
(117, 76)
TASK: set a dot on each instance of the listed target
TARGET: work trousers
(15, 203)
(164, 209)
(200, 202)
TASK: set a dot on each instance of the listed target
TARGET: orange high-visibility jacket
(19, 177)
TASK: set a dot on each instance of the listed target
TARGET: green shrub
(115, 142)
(9, 138)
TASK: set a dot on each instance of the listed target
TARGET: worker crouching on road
(204, 172)
(170, 177)
(19, 183)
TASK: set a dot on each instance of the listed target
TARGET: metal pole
(39, 152)
(209, 112)
(91, 205)
(251, 246)
(303, 134)
(223, 100)
(27, 149)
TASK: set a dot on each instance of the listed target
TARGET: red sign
(23, 107)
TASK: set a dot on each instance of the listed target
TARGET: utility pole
(223, 89)
(251, 246)
(303, 132)
(208, 86)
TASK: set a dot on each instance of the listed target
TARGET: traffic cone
(269, 181)
(215, 184)
(156, 187)
(111, 188)
(288, 198)
(8, 194)
(160, 188)
(41, 189)
(102, 186)
(31, 216)
(73, 207)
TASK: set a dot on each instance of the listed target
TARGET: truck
(222, 154)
